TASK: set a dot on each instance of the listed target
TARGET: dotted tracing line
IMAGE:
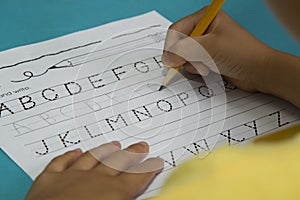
(231, 138)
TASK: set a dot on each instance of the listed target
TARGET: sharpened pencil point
(161, 87)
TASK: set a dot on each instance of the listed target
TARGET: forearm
(282, 76)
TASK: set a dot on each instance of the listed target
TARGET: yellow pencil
(201, 27)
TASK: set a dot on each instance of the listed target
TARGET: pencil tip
(161, 87)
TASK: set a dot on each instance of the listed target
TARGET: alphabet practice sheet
(100, 85)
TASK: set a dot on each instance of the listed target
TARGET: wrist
(262, 77)
(279, 76)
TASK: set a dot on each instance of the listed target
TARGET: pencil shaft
(208, 17)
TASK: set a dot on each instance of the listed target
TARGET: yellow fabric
(269, 168)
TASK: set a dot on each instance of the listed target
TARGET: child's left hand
(75, 175)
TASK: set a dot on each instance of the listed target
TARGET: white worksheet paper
(101, 85)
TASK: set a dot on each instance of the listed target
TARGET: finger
(62, 162)
(190, 49)
(181, 30)
(92, 158)
(123, 159)
(172, 38)
(139, 177)
(196, 68)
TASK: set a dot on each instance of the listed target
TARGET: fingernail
(78, 150)
(116, 143)
(161, 165)
(144, 144)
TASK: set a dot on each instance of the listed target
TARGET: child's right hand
(239, 56)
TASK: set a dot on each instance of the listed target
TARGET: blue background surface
(31, 21)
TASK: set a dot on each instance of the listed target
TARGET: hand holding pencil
(199, 30)
(238, 55)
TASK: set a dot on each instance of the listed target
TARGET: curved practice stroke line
(37, 75)
(30, 76)
(51, 54)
